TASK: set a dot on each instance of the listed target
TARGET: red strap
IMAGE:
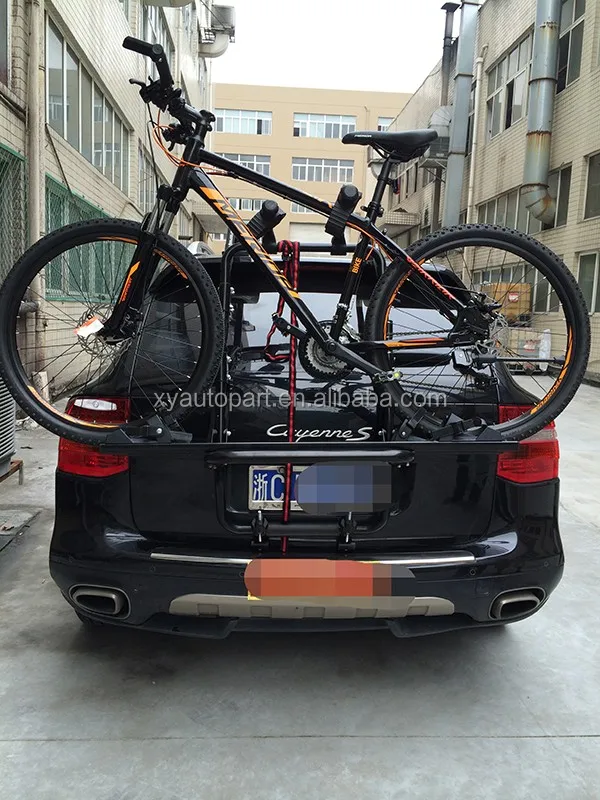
(291, 254)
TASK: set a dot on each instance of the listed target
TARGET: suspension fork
(127, 312)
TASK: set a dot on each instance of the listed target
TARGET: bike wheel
(63, 375)
(541, 315)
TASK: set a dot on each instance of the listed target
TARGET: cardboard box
(515, 298)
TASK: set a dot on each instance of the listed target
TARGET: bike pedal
(286, 328)
(387, 377)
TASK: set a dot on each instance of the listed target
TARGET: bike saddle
(401, 145)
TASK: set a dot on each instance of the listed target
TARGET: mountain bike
(101, 287)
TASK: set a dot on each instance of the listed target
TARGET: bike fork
(127, 312)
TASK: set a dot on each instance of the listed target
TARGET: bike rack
(220, 454)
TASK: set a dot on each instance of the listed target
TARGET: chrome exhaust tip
(103, 600)
(516, 603)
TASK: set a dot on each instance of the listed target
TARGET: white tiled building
(93, 132)
(504, 36)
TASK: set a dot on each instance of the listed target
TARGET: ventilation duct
(542, 91)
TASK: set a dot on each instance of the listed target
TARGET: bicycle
(102, 284)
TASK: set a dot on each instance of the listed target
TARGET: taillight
(537, 458)
(83, 459)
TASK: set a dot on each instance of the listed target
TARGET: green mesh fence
(82, 271)
(63, 207)
(13, 209)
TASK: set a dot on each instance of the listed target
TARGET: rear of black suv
(165, 542)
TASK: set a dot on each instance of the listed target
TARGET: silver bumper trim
(205, 605)
(435, 560)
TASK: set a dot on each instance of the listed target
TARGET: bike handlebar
(156, 53)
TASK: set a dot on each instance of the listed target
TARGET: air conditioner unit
(7, 429)
(223, 19)
(437, 155)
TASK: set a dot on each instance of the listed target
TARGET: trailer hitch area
(348, 528)
(260, 525)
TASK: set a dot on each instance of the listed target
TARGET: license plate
(266, 488)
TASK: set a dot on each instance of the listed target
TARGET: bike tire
(35, 261)
(548, 264)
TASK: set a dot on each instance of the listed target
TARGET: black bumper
(501, 564)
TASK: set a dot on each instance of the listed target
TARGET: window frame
(298, 208)
(249, 161)
(303, 121)
(587, 216)
(567, 32)
(514, 220)
(8, 42)
(503, 77)
(254, 202)
(125, 132)
(594, 306)
(154, 29)
(381, 126)
(263, 119)
(344, 169)
(560, 173)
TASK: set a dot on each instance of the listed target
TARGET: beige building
(496, 163)
(294, 135)
(73, 132)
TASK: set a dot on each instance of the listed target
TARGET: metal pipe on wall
(450, 9)
(475, 135)
(535, 191)
(460, 115)
(36, 173)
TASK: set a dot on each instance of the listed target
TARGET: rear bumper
(197, 594)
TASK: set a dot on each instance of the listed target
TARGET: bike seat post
(375, 209)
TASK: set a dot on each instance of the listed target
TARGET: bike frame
(191, 176)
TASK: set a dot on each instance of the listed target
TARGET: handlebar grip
(156, 53)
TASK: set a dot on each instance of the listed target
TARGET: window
(188, 20)
(507, 88)
(185, 225)
(125, 7)
(231, 120)
(154, 29)
(80, 275)
(592, 200)
(323, 126)
(299, 209)
(56, 82)
(218, 237)
(560, 188)
(4, 25)
(588, 280)
(246, 203)
(146, 181)
(543, 297)
(383, 123)
(471, 119)
(325, 170)
(510, 211)
(260, 164)
(571, 42)
(427, 176)
(410, 179)
(79, 112)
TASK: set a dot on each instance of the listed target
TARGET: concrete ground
(106, 715)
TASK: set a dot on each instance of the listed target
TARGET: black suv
(163, 543)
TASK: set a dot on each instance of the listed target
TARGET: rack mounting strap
(291, 257)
